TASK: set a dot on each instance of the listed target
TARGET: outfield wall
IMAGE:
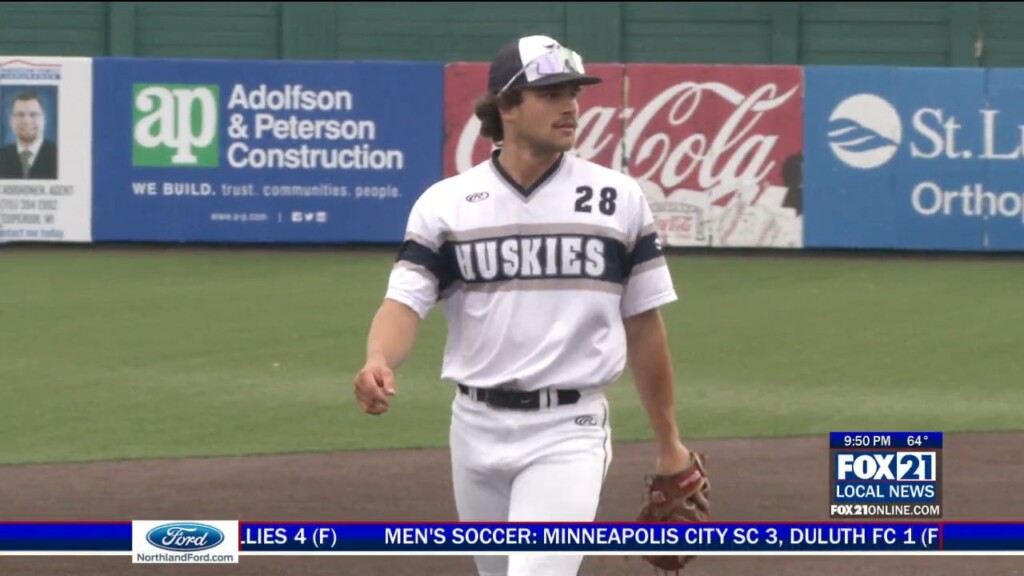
(165, 150)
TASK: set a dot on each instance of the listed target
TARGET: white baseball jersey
(535, 282)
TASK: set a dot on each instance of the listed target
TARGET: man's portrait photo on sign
(28, 133)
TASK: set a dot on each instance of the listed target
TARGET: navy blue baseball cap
(536, 61)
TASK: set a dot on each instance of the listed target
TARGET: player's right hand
(373, 385)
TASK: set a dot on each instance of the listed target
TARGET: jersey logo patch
(478, 196)
(587, 420)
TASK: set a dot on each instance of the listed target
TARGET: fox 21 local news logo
(892, 466)
(884, 483)
(175, 125)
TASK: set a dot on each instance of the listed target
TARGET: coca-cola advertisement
(716, 149)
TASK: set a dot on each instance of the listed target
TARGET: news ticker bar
(116, 538)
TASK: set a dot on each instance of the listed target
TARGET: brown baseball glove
(684, 497)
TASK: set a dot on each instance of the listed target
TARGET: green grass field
(127, 354)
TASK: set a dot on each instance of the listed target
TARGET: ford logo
(185, 537)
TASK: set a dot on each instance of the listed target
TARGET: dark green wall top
(891, 33)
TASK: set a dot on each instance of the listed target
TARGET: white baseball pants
(530, 466)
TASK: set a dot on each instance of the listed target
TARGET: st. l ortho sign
(914, 158)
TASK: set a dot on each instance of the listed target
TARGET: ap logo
(864, 131)
(175, 125)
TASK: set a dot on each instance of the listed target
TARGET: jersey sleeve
(648, 282)
(418, 268)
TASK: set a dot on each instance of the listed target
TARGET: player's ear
(508, 113)
(487, 111)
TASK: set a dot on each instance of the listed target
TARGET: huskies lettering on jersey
(533, 257)
(537, 257)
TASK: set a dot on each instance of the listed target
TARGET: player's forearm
(653, 376)
(392, 334)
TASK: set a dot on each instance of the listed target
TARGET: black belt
(518, 399)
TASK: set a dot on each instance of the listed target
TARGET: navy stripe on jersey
(647, 248)
(554, 256)
(416, 253)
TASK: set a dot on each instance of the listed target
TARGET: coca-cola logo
(662, 142)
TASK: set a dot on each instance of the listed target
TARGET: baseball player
(550, 275)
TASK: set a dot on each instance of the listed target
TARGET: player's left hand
(676, 493)
(672, 459)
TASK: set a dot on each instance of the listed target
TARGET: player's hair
(488, 111)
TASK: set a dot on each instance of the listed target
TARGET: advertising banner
(716, 149)
(1001, 200)
(45, 149)
(264, 151)
(915, 158)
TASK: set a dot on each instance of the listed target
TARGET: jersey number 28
(586, 194)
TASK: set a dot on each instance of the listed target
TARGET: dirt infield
(781, 479)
